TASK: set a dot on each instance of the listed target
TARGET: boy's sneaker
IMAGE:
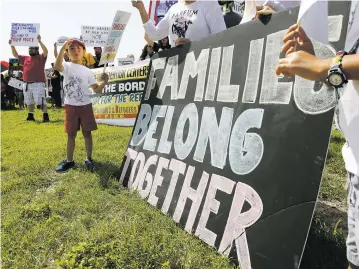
(45, 117)
(89, 165)
(30, 117)
(65, 166)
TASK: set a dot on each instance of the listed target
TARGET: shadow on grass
(325, 249)
(107, 171)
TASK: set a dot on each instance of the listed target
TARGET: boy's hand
(67, 44)
(55, 44)
(10, 42)
(39, 38)
(104, 77)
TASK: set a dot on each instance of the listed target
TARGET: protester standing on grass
(185, 21)
(339, 71)
(55, 82)
(78, 104)
(34, 78)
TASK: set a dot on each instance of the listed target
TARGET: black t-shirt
(97, 61)
(56, 82)
(232, 19)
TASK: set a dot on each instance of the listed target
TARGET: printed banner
(233, 153)
(124, 61)
(95, 36)
(114, 38)
(15, 83)
(120, 100)
(24, 34)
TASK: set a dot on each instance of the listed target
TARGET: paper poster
(313, 18)
(95, 36)
(61, 40)
(250, 11)
(124, 61)
(114, 38)
(15, 83)
(24, 34)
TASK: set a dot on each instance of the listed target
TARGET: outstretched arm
(13, 50)
(154, 32)
(55, 50)
(310, 67)
(43, 47)
(58, 63)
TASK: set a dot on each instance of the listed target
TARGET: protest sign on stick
(95, 36)
(231, 152)
(114, 38)
(24, 34)
(61, 40)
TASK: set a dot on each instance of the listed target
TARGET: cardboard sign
(24, 34)
(121, 97)
(15, 83)
(114, 38)
(230, 151)
(124, 61)
(61, 40)
(95, 36)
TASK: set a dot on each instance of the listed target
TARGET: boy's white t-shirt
(349, 107)
(194, 22)
(77, 79)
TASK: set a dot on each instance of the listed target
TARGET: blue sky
(64, 18)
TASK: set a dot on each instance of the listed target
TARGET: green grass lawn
(85, 220)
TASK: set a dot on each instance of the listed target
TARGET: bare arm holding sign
(304, 64)
(60, 57)
(13, 50)
(154, 32)
(43, 47)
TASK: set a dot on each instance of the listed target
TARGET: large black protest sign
(230, 151)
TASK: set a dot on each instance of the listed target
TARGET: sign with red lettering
(24, 34)
(114, 37)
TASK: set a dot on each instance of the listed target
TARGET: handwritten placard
(61, 40)
(15, 83)
(24, 34)
(95, 36)
(114, 38)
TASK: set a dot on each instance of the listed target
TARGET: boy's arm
(13, 50)
(98, 87)
(58, 63)
(43, 47)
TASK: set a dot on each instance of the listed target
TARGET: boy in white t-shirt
(77, 100)
(338, 71)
